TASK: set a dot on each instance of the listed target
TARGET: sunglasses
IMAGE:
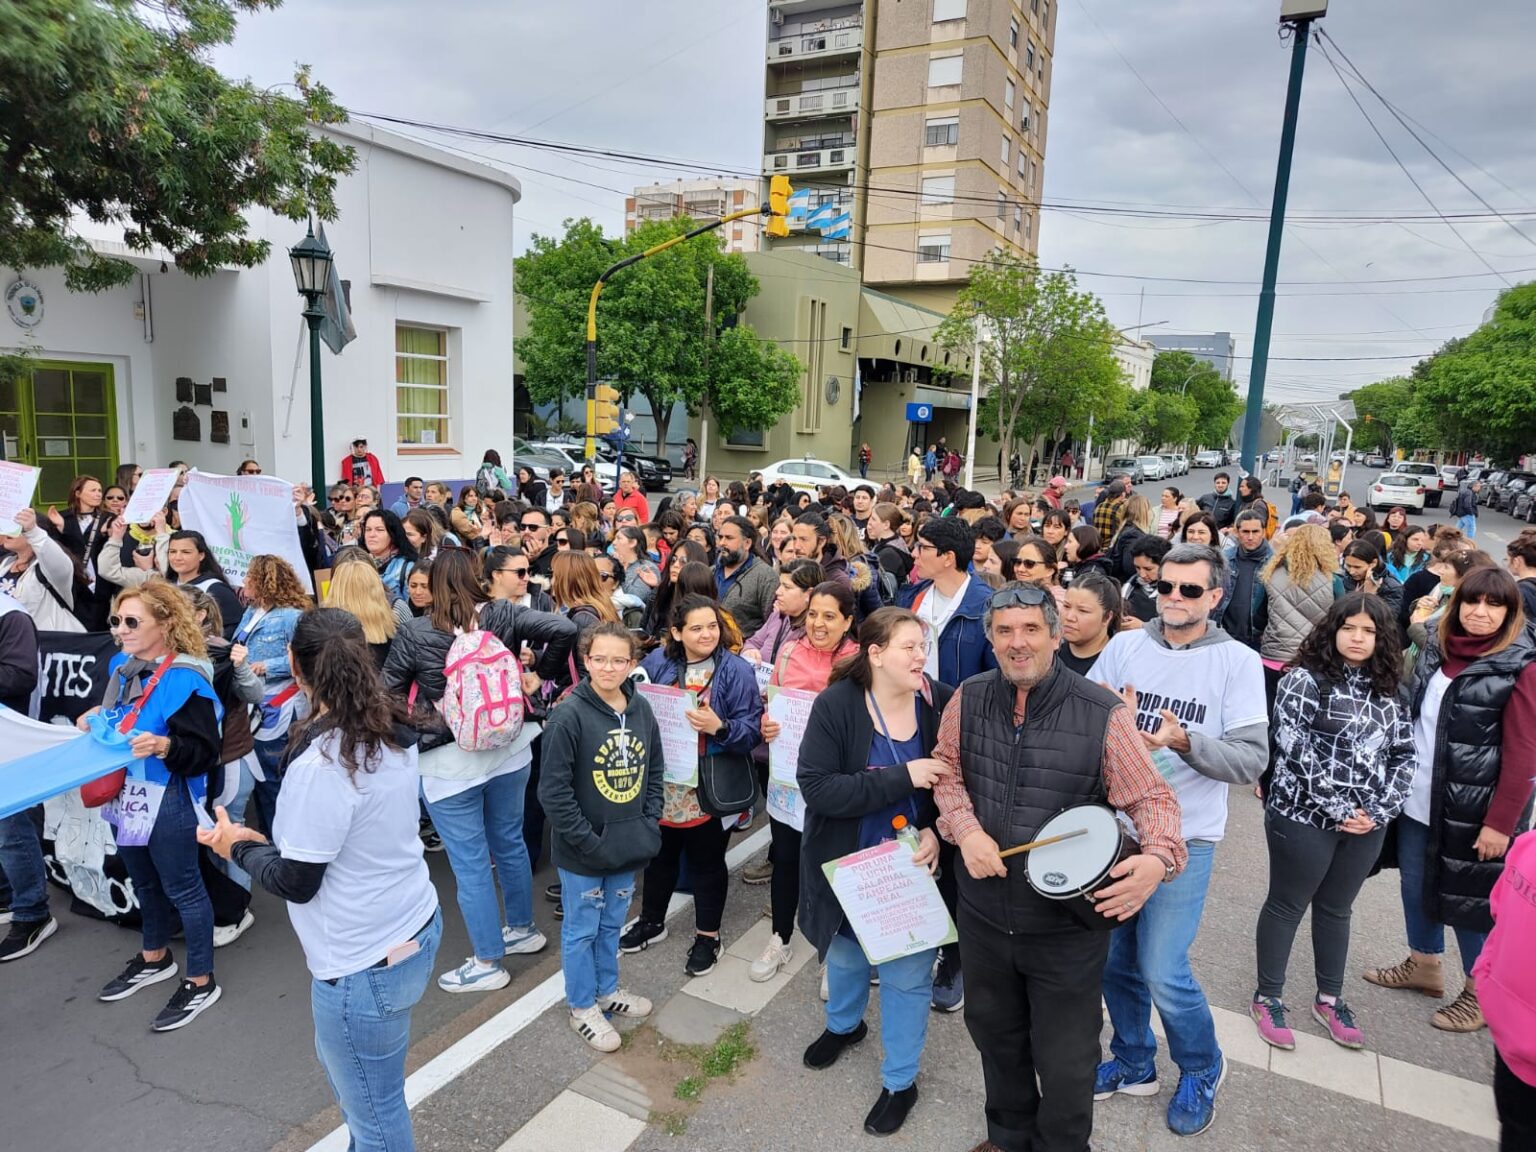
(608, 576)
(1187, 591)
(251, 472)
(131, 623)
(119, 497)
(534, 527)
(520, 573)
(342, 498)
(1022, 596)
(1029, 565)
(563, 541)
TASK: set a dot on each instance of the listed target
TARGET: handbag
(104, 789)
(727, 783)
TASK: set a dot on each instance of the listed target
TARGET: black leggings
(1516, 1102)
(1322, 868)
(705, 844)
(785, 891)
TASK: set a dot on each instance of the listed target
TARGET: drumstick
(1042, 843)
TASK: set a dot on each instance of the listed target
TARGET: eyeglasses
(1186, 591)
(520, 573)
(118, 497)
(1021, 596)
(128, 623)
(608, 661)
(923, 545)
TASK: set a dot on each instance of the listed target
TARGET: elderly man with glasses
(1023, 741)
(1198, 699)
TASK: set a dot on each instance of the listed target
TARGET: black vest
(1469, 739)
(1019, 778)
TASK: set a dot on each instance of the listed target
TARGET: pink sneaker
(1268, 1013)
(1340, 1022)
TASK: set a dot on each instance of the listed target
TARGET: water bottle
(905, 832)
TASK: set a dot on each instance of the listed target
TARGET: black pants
(533, 813)
(950, 860)
(1271, 690)
(1032, 1006)
(1322, 868)
(784, 894)
(705, 844)
(1516, 1103)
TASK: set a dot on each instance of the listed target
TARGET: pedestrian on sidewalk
(345, 856)
(1474, 709)
(1344, 762)
(866, 759)
(601, 787)
(1035, 964)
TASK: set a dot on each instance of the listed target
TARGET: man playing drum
(1023, 742)
(1198, 699)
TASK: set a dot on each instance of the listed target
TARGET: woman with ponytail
(346, 857)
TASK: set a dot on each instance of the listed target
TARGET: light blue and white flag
(838, 228)
(800, 204)
(820, 217)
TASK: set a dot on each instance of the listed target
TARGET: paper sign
(791, 707)
(18, 484)
(134, 811)
(786, 804)
(150, 494)
(892, 903)
(679, 742)
(764, 673)
(242, 517)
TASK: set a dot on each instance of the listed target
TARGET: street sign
(920, 413)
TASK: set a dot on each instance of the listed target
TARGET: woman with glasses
(659, 615)
(727, 721)
(162, 682)
(465, 517)
(189, 560)
(248, 468)
(1037, 562)
(366, 500)
(127, 477)
(1090, 615)
(866, 759)
(390, 549)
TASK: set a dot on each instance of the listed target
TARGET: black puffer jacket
(419, 651)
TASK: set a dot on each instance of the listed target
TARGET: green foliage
(1382, 408)
(651, 329)
(1047, 350)
(114, 110)
(1216, 402)
(1165, 418)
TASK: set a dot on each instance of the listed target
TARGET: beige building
(701, 200)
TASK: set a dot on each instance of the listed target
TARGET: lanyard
(885, 732)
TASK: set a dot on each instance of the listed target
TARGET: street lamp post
(311, 261)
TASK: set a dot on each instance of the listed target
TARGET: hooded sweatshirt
(600, 782)
(1506, 978)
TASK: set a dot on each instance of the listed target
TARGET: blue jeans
(362, 1033)
(236, 784)
(21, 859)
(1149, 964)
(478, 825)
(1426, 936)
(906, 996)
(1468, 526)
(595, 908)
(166, 881)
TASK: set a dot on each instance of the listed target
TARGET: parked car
(1124, 466)
(653, 472)
(807, 474)
(1396, 490)
(1525, 505)
(1504, 499)
(1375, 460)
(1183, 462)
(1433, 485)
(545, 452)
(1492, 482)
(1152, 467)
(1210, 458)
(1450, 476)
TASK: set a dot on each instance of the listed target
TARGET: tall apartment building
(924, 120)
(702, 200)
(1217, 349)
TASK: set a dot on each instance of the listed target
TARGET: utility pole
(1298, 15)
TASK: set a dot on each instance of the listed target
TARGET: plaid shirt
(1132, 784)
(1107, 515)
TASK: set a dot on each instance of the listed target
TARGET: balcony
(808, 160)
(809, 105)
(818, 44)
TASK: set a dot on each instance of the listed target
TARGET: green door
(64, 421)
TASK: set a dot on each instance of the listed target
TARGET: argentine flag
(838, 228)
(820, 218)
(800, 204)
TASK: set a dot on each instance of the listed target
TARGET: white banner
(241, 517)
(150, 494)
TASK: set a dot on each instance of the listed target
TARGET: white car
(1428, 475)
(1210, 458)
(1448, 475)
(1182, 461)
(1396, 490)
(607, 471)
(1152, 467)
(808, 474)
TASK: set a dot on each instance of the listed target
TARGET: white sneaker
(522, 941)
(825, 994)
(229, 933)
(627, 1004)
(593, 1027)
(775, 956)
(472, 976)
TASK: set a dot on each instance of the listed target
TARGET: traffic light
(606, 417)
(779, 192)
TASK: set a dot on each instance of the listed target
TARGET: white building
(424, 239)
(1135, 359)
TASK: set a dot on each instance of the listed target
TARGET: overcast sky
(684, 79)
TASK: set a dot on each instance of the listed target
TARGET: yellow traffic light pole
(776, 210)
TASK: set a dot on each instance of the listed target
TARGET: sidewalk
(542, 1090)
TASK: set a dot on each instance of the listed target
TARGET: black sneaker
(552, 893)
(703, 956)
(430, 840)
(25, 936)
(186, 1004)
(140, 973)
(559, 910)
(641, 934)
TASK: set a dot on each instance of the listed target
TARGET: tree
(1382, 407)
(1164, 418)
(652, 337)
(114, 110)
(1216, 402)
(1046, 348)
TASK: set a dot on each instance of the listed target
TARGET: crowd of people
(468, 680)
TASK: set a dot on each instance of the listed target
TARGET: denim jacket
(266, 635)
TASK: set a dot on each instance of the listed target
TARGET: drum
(1072, 870)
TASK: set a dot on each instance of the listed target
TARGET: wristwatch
(1168, 870)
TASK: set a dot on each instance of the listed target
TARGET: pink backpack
(483, 701)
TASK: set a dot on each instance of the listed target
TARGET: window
(1045, 14)
(1034, 170)
(1008, 93)
(847, 339)
(1034, 6)
(1007, 147)
(933, 249)
(938, 189)
(1024, 118)
(746, 438)
(1002, 205)
(1029, 57)
(1013, 33)
(1028, 222)
(942, 130)
(1018, 217)
(944, 71)
(948, 10)
(421, 386)
(1023, 163)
